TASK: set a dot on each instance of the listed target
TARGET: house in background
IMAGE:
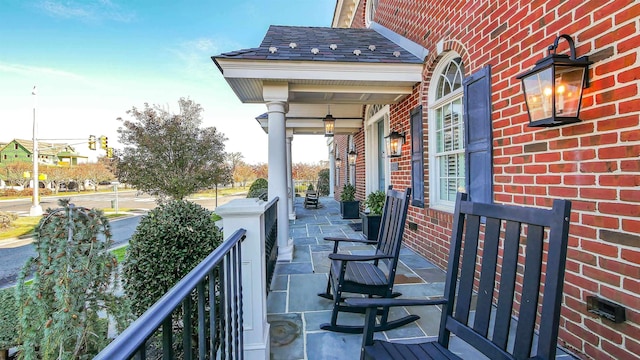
(48, 153)
(444, 76)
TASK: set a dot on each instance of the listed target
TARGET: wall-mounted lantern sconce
(329, 125)
(352, 156)
(338, 162)
(553, 88)
(393, 144)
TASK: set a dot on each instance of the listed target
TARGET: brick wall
(595, 163)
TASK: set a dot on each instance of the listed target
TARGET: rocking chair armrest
(387, 302)
(349, 257)
(339, 239)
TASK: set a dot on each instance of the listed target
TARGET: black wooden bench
(517, 243)
(370, 275)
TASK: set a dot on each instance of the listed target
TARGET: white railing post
(249, 214)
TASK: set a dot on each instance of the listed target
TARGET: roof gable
(301, 43)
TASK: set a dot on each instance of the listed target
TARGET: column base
(260, 350)
(285, 253)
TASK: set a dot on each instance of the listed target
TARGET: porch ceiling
(321, 67)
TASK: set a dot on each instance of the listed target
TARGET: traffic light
(109, 153)
(103, 142)
(92, 142)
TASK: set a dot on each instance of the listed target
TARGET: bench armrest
(374, 302)
(338, 239)
(349, 257)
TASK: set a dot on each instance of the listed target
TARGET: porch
(295, 312)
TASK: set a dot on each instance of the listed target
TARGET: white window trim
(369, 12)
(434, 184)
(371, 147)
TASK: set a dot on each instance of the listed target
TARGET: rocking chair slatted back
(516, 220)
(394, 215)
(512, 260)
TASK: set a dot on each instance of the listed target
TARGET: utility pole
(36, 209)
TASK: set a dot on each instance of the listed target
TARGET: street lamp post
(36, 209)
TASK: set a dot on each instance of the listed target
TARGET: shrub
(259, 189)
(6, 218)
(348, 193)
(323, 182)
(375, 202)
(64, 310)
(8, 318)
(10, 193)
(310, 187)
(168, 243)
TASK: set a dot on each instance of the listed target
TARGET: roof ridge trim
(413, 47)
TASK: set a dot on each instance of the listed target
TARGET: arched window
(446, 133)
(370, 11)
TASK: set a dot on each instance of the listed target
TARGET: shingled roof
(299, 43)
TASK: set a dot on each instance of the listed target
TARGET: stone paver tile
(420, 291)
(293, 268)
(277, 302)
(432, 275)
(416, 261)
(303, 294)
(301, 254)
(279, 282)
(286, 336)
(333, 346)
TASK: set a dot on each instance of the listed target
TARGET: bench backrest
(518, 272)
(394, 214)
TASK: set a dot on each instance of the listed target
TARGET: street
(14, 253)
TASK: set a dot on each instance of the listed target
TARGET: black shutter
(478, 135)
(417, 158)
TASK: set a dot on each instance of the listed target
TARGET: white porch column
(276, 96)
(332, 170)
(290, 185)
(248, 214)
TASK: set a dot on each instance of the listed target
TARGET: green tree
(170, 155)
(65, 310)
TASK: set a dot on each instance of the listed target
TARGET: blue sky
(94, 60)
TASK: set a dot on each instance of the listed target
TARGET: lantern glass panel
(568, 90)
(538, 88)
(329, 125)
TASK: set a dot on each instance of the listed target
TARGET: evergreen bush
(168, 243)
(64, 310)
(8, 319)
(259, 189)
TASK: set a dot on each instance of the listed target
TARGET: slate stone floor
(295, 312)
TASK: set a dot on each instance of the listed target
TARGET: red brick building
(444, 74)
(595, 163)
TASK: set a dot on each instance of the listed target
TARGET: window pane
(448, 132)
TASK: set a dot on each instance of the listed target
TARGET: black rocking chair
(515, 245)
(370, 275)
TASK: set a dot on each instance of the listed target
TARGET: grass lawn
(119, 252)
(20, 226)
(223, 191)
